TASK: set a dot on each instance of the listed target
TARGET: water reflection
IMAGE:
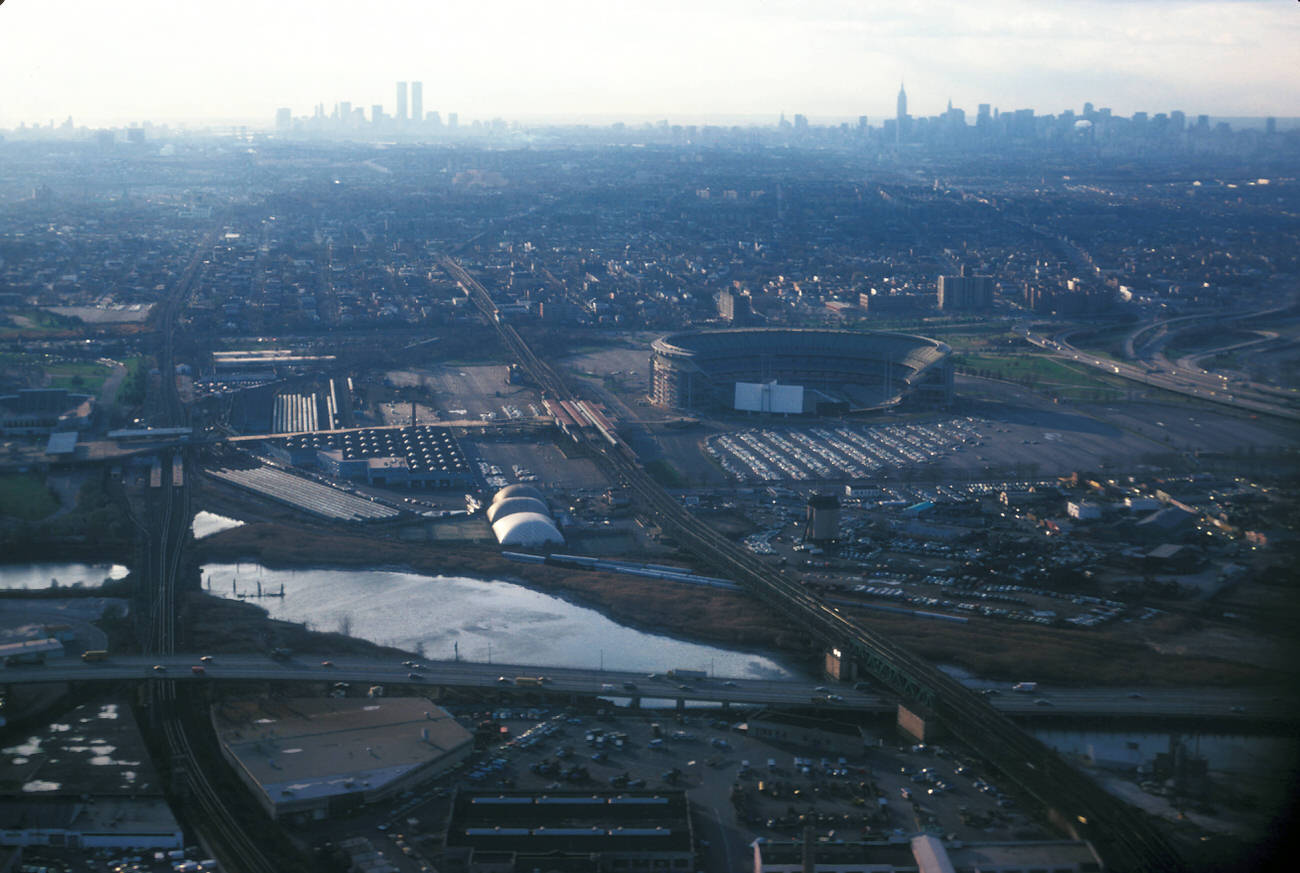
(448, 616)
(36, 576)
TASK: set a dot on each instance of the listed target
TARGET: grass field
(1044, 373)
(29, 321)
(25, 497)
(78, 377)
(1035, 368)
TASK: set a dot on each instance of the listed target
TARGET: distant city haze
(692, 61)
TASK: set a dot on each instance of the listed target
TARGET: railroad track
(1125, 838)
(167, 539)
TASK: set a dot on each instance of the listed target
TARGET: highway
(1231, 705)
(1242, 395)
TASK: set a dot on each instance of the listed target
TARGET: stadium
(798, 370)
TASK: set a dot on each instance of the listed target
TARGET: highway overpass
(1246, 707)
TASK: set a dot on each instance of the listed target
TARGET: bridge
(1126, 839)
(1245, 709)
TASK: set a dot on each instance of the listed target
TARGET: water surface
(445, 616)
(30, 577)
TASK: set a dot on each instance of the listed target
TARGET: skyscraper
(900, 126)
(417, 102)
(401, 102)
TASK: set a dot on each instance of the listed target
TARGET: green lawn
(36, 320)
(1042, 372)
(77, 377)
(131, 391)
(26, 497)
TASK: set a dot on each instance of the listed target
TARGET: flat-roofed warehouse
(523, 830)
(797, 370)
(424, 456)
(316, 757)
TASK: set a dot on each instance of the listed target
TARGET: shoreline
(690, 613)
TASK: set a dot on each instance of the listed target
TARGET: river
(448, 616)
(29, 577)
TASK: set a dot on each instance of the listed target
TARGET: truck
(1025, 687)
(94, 656)
(529, 681)
(678, 673)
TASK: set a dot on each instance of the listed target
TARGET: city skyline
(718, 60)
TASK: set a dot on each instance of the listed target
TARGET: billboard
(768, 397)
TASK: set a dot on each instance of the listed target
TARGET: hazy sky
(118, 61)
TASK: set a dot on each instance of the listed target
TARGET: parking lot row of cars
(766, 455)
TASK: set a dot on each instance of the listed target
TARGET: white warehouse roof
(518, 491)
(526, 529)
(502, 508)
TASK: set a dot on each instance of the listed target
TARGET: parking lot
(839, 452)
(741, 787)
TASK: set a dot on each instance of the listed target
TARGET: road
(1233, 704)
(1194, 383)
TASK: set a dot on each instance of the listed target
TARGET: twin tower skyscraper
(417, 102)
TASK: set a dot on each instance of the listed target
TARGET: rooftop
(314, 747)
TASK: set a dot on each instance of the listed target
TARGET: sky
(107, 63)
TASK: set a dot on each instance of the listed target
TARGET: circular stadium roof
(502, 508)
(526, 529)
(701, 368)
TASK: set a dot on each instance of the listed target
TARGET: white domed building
(520, 517)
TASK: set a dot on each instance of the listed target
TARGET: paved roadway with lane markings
(1231, 704)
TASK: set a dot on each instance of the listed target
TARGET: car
(327, 663)
(729, 684)
(159, 668)
(821, 688)
(1238, 709)
(207, 659)
(501, 680)
(629, 686)
(414, 676)
(1042, 701)
(1134, 695)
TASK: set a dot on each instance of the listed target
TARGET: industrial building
(37, 411)
(822, 518)
(318, 757)
(520, 517)
(795, 370)
(820, 735)
(84, 780)
(520, 831)
(424, 456)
